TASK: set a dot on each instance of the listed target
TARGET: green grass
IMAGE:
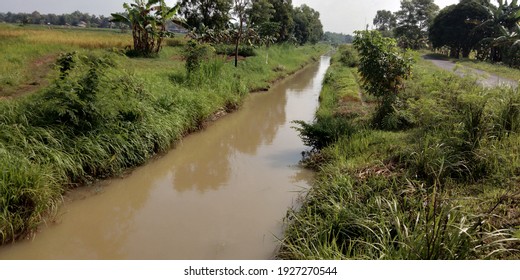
(447, 187)
(110, 113)
(30, 51)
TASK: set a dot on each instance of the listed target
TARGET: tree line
(337, 38)
(74, 19)
(491, 31)
(276, 19)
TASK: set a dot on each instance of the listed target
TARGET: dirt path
(484, 78)
(39, 70)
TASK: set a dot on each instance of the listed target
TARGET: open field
(29, 52)
(445, 186)
(106, 112)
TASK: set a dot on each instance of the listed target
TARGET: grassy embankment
(447, 187)
(107, 113)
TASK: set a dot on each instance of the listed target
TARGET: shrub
(229, 50)
(195, 53)
(324, 132)
(383, 70)
(71, 101)
(348, 56)
(65, 63)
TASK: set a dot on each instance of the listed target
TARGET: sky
(341, 16)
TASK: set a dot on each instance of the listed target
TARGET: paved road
(484, 78)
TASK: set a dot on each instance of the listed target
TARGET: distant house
(175, 28)
(82, 24)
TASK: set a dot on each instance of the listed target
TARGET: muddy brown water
(221, 193)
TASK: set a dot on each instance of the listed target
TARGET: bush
(229, 50)
(71, 100)
(324, 132)
(195, 54)
(348, 56)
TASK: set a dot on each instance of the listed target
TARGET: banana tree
(503, 31)
(148, 20)
(509, 43)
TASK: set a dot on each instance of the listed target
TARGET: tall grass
(107, 113)
(445, 188)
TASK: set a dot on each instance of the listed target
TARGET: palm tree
(148, 21)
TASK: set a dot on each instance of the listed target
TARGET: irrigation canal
(222, 193)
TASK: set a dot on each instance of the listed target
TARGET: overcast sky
(342, 16)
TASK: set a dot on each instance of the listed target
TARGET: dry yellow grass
(71, 37)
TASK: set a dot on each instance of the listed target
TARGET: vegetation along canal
(222, 193)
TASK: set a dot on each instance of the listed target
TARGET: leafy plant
(71, 101)
(383, 69)
(324, 132)
(349, 57)
(195, 54)
(65, 62)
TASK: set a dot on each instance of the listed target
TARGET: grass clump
(444, 188)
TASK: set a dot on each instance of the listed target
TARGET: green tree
(383, 70)
(283, 17)
(413, 20)
(240, 9)
(260, 12)
(307, 25)
(36, 17)
(454, 27)
(212, 14)
(148, 23)
(384, 20)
